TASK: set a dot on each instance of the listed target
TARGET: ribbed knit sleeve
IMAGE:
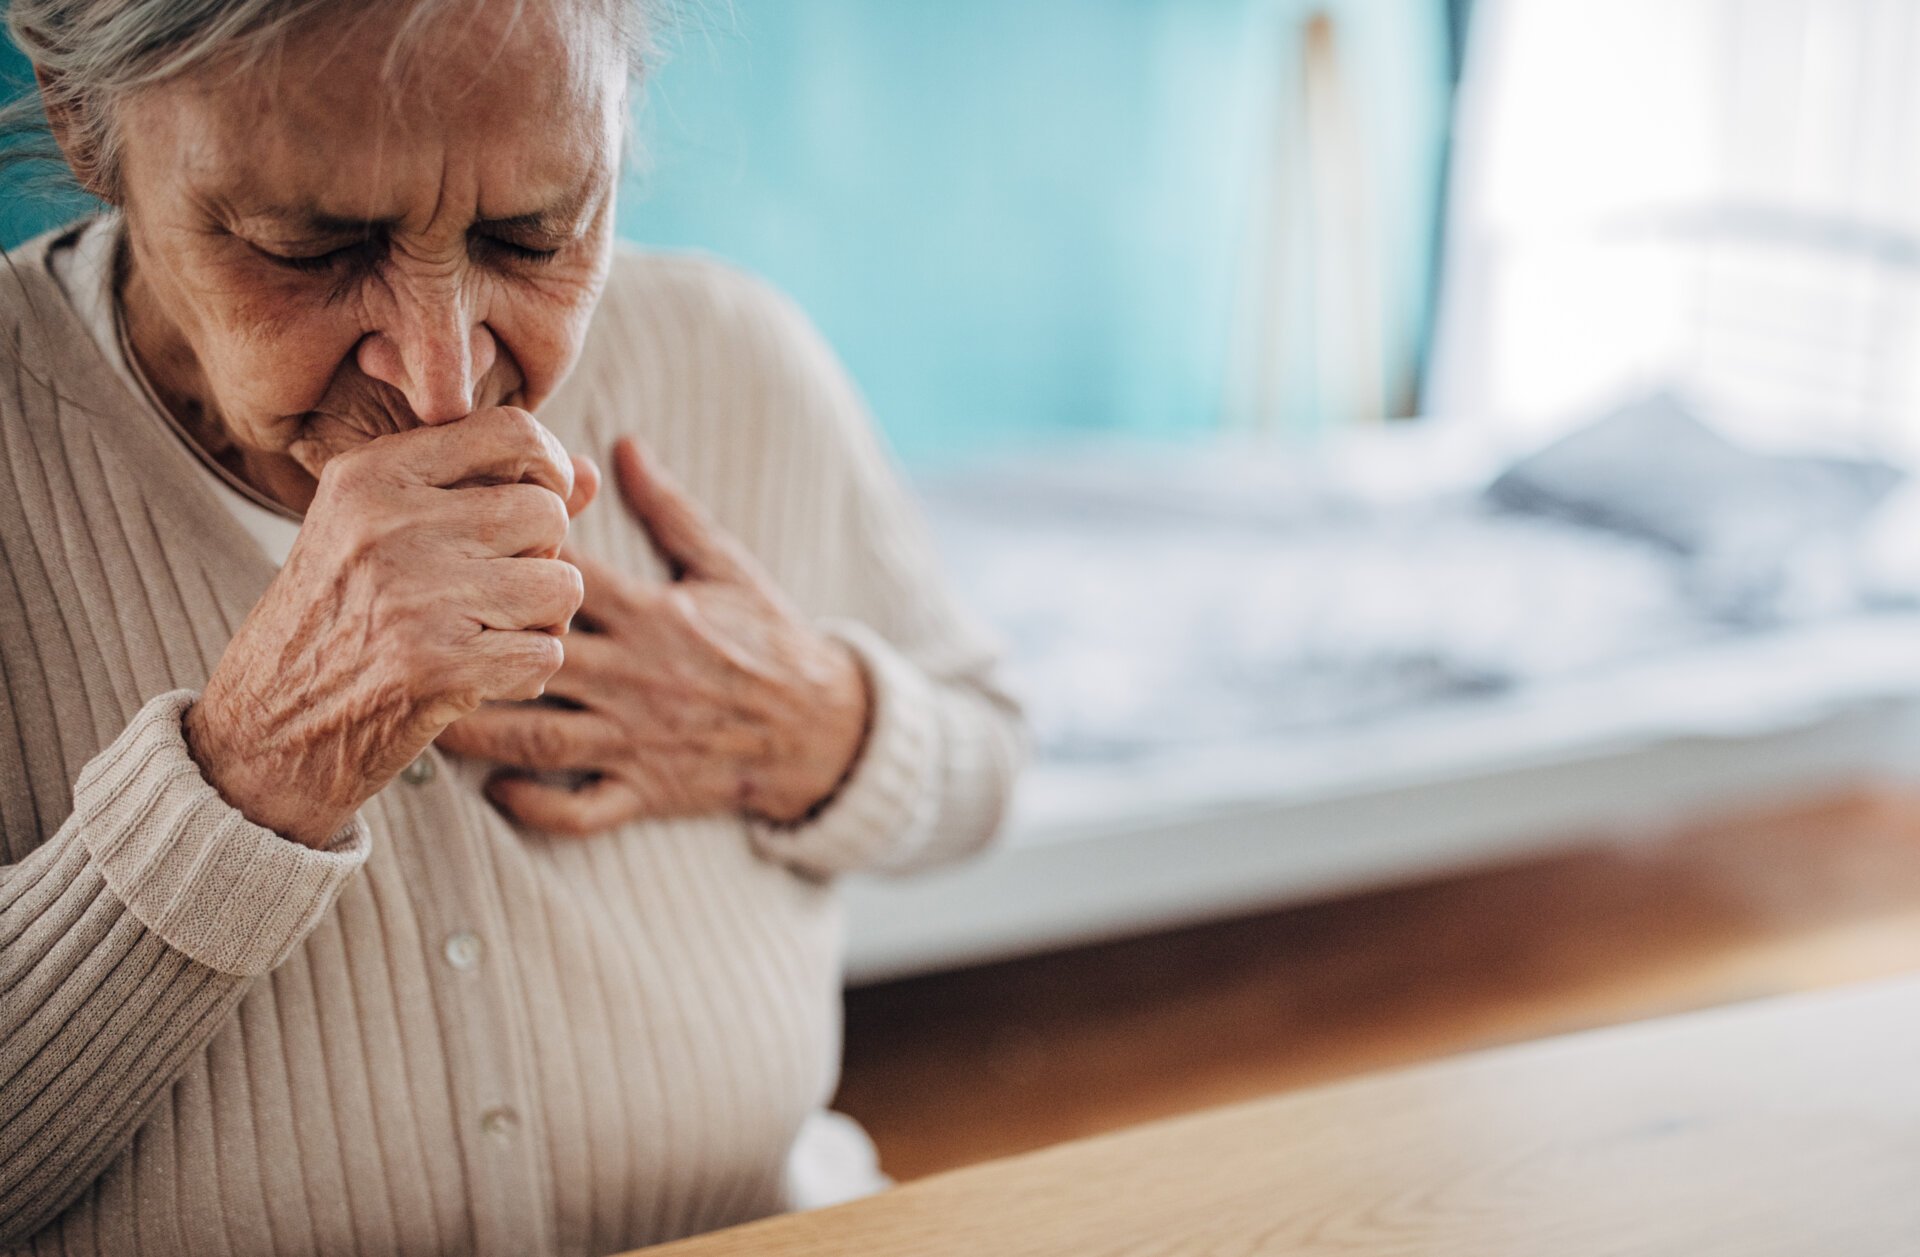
(125, 941)
(945, 740)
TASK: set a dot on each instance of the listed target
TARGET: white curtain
(1717, 195)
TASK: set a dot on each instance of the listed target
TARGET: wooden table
(1789, 1128)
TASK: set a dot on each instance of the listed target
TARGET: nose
(435, 351)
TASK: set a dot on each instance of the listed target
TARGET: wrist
(838, 714)
(850, 702)
(269, 803)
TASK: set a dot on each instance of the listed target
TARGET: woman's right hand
(423, 584)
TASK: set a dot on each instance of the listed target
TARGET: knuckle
(531, 512)
(554, 520)
(523, 673)
(545, 743)
(573, 585)
(519, 690)
(363, 534)
(557, 591)
(521, 687)
(345, 471)
(546, 654)
(681, 605)
(358, 511)
(521, 429)
(361, 472)
(522, 433)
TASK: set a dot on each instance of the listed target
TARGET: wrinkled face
(322, 252)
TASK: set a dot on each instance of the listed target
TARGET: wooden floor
(957, 1068)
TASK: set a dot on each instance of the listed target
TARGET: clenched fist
(424, 582)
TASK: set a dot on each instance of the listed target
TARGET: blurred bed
(1255, 680)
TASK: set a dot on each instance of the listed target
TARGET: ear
(70, 131)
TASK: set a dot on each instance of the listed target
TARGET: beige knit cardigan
(444, 1034)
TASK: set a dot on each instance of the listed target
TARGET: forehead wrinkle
(421, 75)
(387, 69)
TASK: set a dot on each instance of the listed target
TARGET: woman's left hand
(706, 695)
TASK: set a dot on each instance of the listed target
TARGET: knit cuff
(234, 896)
(884, 809)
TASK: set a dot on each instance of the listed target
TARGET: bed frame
(1101, 853)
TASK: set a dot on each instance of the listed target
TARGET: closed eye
(508, 250)
(331, 260)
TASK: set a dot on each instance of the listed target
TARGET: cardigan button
(499, 1123)
(463, 950)
(419, 772)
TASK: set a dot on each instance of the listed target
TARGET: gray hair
(96, 52)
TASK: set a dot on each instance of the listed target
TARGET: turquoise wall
(28, 206)
(1021, 221)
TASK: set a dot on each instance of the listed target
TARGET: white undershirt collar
(86, 269)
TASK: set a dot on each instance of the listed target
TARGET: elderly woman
(317, 936)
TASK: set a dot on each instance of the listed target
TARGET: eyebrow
(555, 218)
(552, 220)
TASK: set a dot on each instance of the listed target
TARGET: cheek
(263, 355)
(542, 329)
(268, 363)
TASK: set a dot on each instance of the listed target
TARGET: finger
(499, 445)
(609, 591)
(586, 485)
(599, 664)
(590, 809)
(590, 669)
(509, 520)
(514, 666)
(686, 537)
(598, 655)
(515, 594)
(538, 738)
